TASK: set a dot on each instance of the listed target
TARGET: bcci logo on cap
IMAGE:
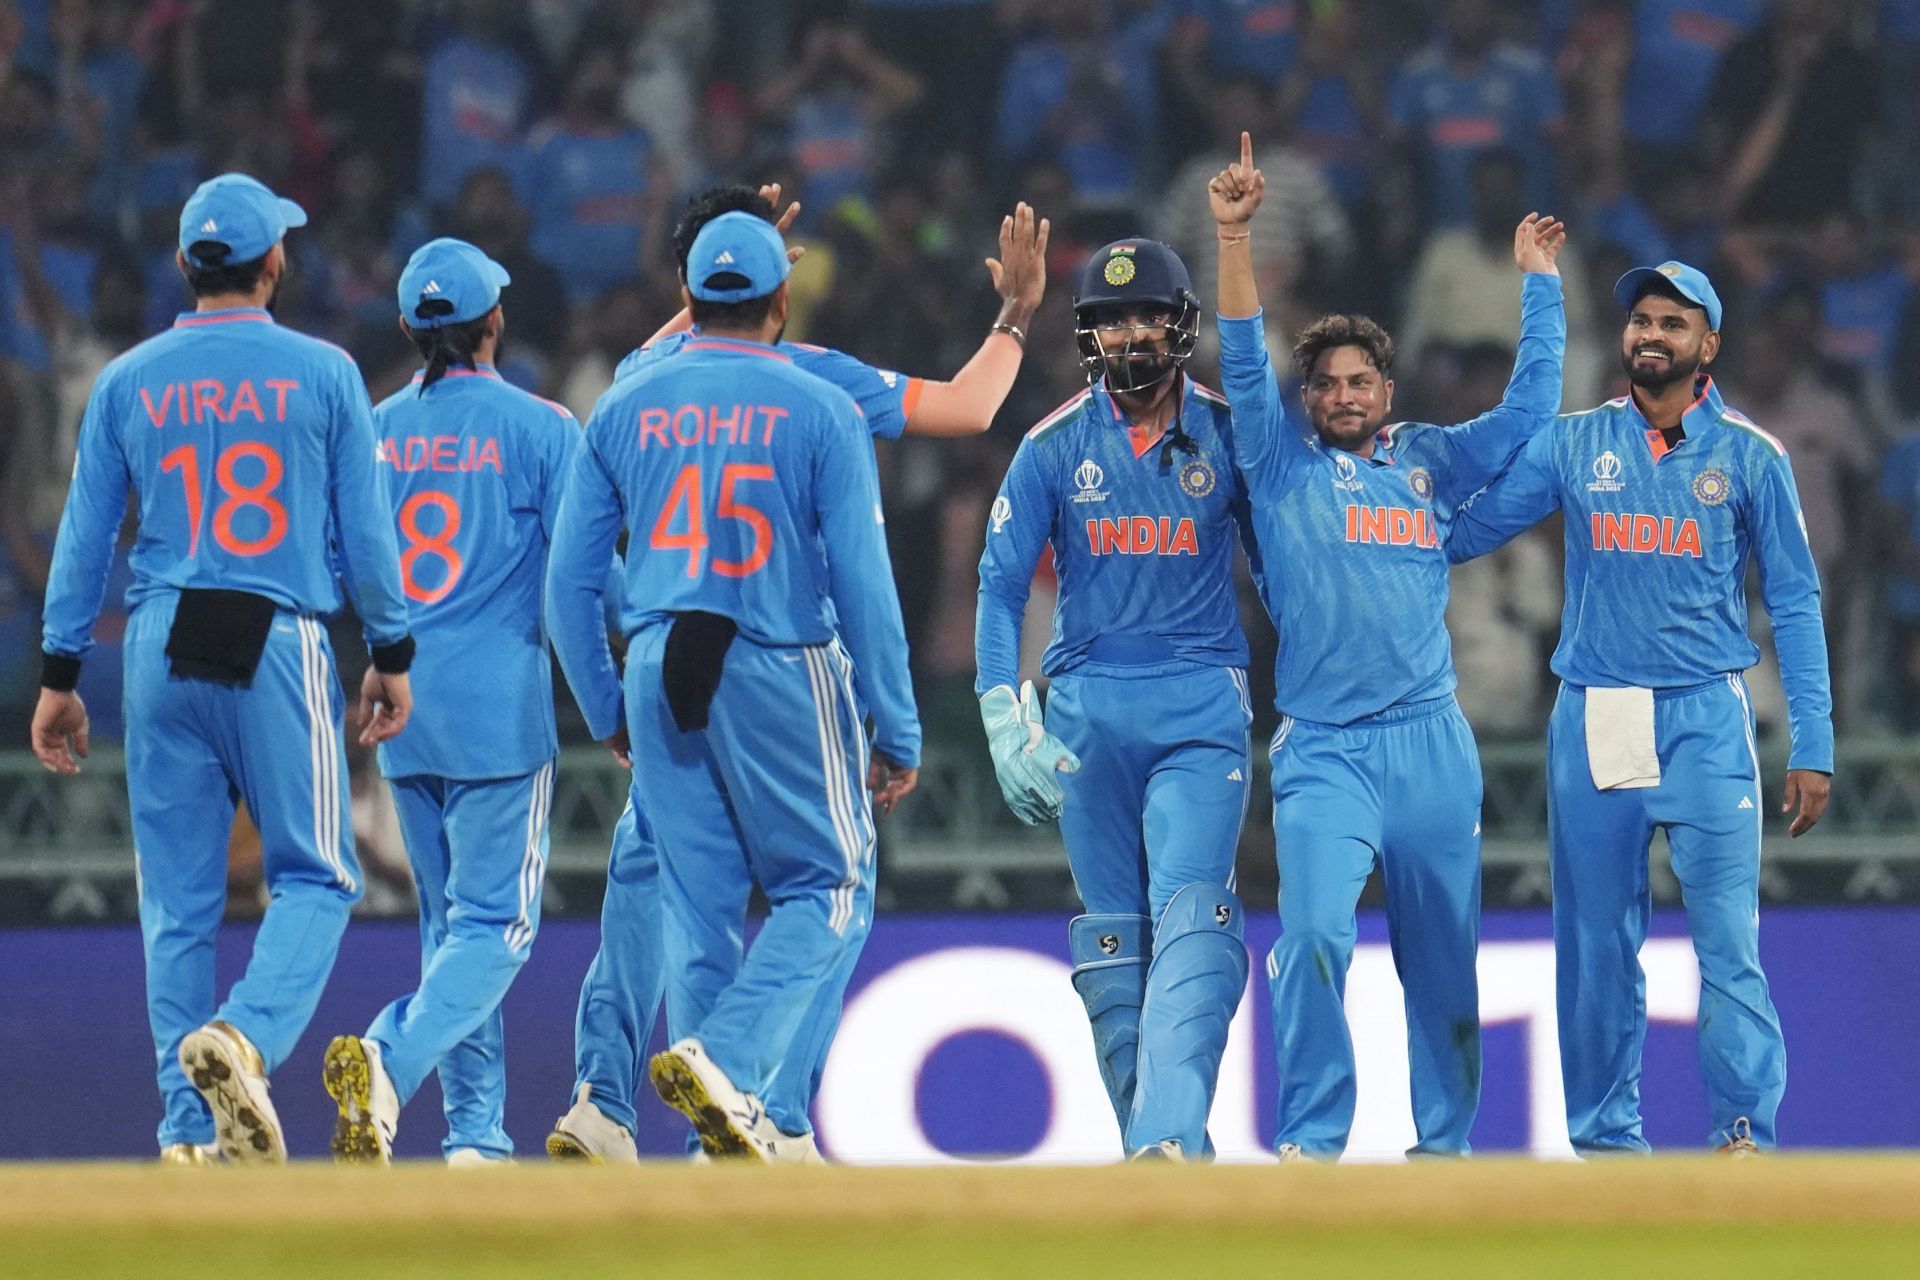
(1089, 477)
(1120, 268)
(1346, 472)
(1606, 474)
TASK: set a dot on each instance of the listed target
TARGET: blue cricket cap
(738, 245)
(451, 272)
(238, 212)
(1689, 282)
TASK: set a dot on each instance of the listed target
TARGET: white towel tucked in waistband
(1620, 747)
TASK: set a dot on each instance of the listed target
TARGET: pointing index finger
(1246, 149)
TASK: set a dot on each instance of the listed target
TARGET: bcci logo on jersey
(1346, 472)
(1089, 477)
(1196, 478)
(1420, 480)
(1712, 487)
(1606, 474)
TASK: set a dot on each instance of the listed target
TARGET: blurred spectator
(1215, 38)
(597, 192)
(1300, 233)
(1677, 46)
(1675, 220)
(368, 234)
(1864, 297)
(1331, 104)
(1898, 49)
(489, 215)
(836, 103)
(1468, 93)
(1899, 524)
(477, 95)
(1084, 94)
(1789, 116)
(667, 43)
(1466, 289)
(90, 338)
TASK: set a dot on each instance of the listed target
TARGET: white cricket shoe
(369, 1107)
(586, 1133)
(1168, 1150)
(727, 1120)
(469, 1158)
(789, 1148)
(226, 1070)
(1290, 1153)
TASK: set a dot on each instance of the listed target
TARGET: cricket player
(1668, 494)
(750, 495)
(621, 995)
(1145, 757)
(251, 449)
(1373, 762)
(476, 469)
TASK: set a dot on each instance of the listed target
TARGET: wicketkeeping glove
(1026, 758)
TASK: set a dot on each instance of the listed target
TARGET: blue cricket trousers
(772, 791)
(479, 856)
(1161, 792)
(195, 749)
(1709, 803)
(1401, 789)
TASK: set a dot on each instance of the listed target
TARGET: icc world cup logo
(1089, 475)
(1606, 474)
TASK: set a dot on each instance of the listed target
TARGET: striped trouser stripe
(836, 772)
(533, 863)
(1739, 688)
(323, 748)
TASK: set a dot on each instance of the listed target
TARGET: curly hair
(1328, 332)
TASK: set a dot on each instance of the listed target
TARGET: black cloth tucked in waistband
(690, 668)
(218, 635)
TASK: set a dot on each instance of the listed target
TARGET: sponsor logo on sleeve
(1002, 512)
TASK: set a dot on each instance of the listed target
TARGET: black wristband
(393, 659)
(59, 672)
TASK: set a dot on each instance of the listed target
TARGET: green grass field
(1688, 1217)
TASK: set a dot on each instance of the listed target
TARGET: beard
(1348, 433)
(1658, 376)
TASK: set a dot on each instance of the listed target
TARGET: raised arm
(965, 404)
(1262, 438)
(1466, 457)
(1790, 589)
(1521, 497)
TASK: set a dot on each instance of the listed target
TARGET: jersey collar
(1103, 403)
(701, 342)
(478, 371)
(1699, 416)
(225, 315)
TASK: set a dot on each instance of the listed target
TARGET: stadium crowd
(1775, 144)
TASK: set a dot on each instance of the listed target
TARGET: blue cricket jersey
(748, 488)
(1356, 576)
(476, 469)
(251, 448)
(885, 397)
(1142, 534)
(1657, 543)
(587, 190)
